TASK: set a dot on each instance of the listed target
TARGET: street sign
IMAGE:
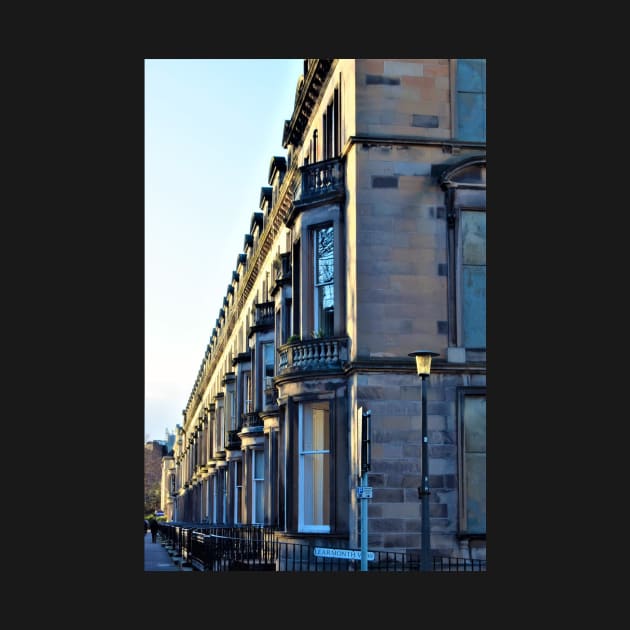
(346, 554)
(364, 492)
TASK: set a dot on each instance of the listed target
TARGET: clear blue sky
(211, 129)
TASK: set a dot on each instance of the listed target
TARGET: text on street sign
(346, 554)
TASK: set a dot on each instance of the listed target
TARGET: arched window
(465, 185)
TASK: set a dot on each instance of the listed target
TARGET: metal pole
(365, 455)
(425, 551)
(364, 525)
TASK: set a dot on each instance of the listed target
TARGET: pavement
(157, 558)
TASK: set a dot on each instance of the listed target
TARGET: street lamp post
(423, 367)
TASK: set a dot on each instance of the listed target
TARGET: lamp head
(423, 361)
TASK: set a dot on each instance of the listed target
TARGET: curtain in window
(315, 467)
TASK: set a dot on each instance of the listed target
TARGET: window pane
(316, 490)
(472, 174)
(260, 503)
(259, 465)
(237, 491)
(471, 75)
(473, 230)
(315, 466)
(247, 393)
(471, 118)
(471, 99)
(316, 429)
(326, 297)
(475, 463)
(324, 255)
(474, 307)
(268, 359)
(229, 399)
(474, 238)
(325, 309)
(220, 429)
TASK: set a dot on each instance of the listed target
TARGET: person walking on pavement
(153, 524)
(146, 526)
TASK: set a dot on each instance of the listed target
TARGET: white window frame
(231, 407)
(258, 488)
(248, 403)
(238, 489)
(224, 509)
(305, 490)
(215, 480)
(219, 435)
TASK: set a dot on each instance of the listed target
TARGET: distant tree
(153, 453)
(152, 499)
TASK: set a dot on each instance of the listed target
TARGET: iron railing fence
(458, 565)
(218, 548)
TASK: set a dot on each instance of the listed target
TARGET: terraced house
(368, 243)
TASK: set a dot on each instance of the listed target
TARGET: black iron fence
(216, 548)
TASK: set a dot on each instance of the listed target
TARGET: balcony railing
(264, 313)
(328, 353)
(251, 420)
(233, 441)
(263, 319)
(282, 267)
(319, 179)
(270, 394)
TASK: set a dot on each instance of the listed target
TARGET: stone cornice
(319, 70)
(263, 246)
(448, 145)
(404, 366)
(309, 95)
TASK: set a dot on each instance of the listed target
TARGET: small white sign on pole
(364, 492)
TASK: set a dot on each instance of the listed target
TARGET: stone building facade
(368, 244)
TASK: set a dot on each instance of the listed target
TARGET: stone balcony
(313, 355)
(320, 179)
